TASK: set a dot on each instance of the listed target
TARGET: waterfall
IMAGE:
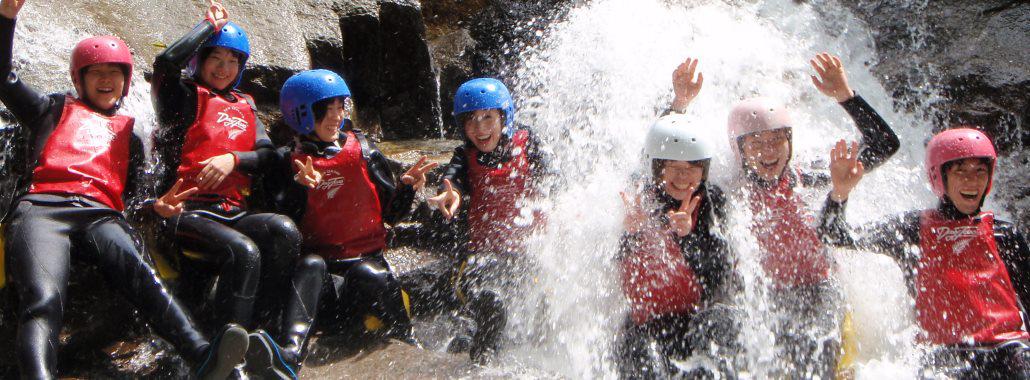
(598, 79)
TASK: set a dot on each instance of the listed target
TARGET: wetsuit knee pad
(313, 264)
(245, 253)
(282, 227)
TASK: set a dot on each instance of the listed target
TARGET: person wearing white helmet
(966, 271)
(676, 266)
(800, 269)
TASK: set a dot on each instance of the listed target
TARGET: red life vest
(964, 295)
(657, 280)
(87, 154)
(792, 253)
(497, 194)
(221, 127)
(343, 218)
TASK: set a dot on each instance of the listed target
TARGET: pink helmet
(102, 49)
(756, 115)
(957, 144)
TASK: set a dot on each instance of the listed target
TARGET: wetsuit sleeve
(175, 100)
(395, 201)
(1016, 254)
(290, 198)
(25, 103)
(133, 196)
(457, 171)
(879, 140)
(889, 238)
(264, 152)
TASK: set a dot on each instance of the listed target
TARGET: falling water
(599, 78)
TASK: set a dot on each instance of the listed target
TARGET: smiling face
(965, 183)
(679, 178)
(483, 128)
(327, 128)
(103, 84)
(220, 68)
(766, 153)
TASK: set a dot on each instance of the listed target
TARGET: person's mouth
(769, 164)
(969, 195)
(680, 186)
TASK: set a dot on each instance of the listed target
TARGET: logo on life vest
(232, 119)
(959, 237)
(331, 183)
(94, 136)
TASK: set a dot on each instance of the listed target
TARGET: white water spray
(599, 78)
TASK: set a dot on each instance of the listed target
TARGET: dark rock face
(972, 53)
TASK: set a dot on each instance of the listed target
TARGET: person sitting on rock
(967, 271)
(805, 298)
(677, 269)
(495, 171)
(340, 187)
(211, 139)
(85, 164)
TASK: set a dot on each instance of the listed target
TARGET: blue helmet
(303, 90)
(484, 94)
(231, 37)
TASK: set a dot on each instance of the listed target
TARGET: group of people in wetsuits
(320, 253)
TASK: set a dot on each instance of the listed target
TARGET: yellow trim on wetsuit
(373, 323)
(3, 269)
(407, 302)
(849, 348)
(164, 267)
(456, 280)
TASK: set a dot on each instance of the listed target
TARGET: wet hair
(464, 118)
(658, 164)
(947, 165)
(321, 107)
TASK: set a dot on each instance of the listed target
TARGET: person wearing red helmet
(211, 140)
(797, 264)
(85, 163)
(967, 271)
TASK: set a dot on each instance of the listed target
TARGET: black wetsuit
(899, 238)
(715, 324)
(255, 253)
(484, 278)
(344, 287)
(46, 232)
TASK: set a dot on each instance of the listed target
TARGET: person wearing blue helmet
(494, 172)
(339, 186)
(210, 139)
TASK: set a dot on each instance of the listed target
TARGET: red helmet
(957, 144)
(103, 49)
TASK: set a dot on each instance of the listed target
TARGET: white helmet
(673, 138)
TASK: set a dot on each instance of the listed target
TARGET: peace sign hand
(306, 174)
(447, 202)
(845, 170)
(217, 15)
(684, 86)
(170, 204)
(416, 176)
(10, 8)
(832, 81)
(681, 221)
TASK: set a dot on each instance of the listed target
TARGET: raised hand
(832, 81)
(215, 170)
(636, 217)
(306, 173)
(845, 169)
(170, 204)
(684, 86)
(217, 15)
(10, 8)
(447, 201)
(681, 221)
(416, 176)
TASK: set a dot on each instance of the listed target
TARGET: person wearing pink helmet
(85, 163)
(966, 270)
(799, 267)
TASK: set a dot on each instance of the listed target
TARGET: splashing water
(599, 78)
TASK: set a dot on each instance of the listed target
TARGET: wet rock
(972, 53)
